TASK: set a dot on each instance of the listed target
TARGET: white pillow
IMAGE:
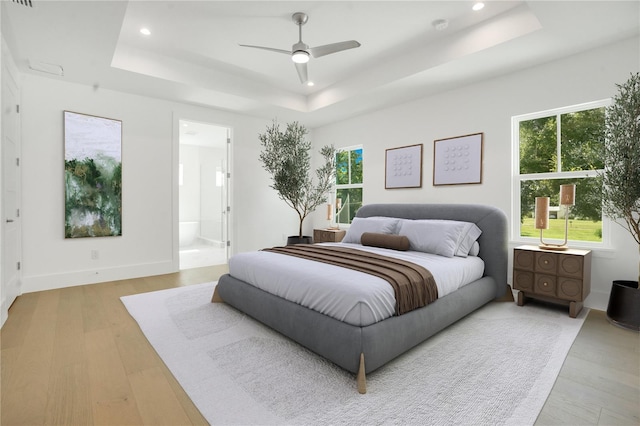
(443, 237)
(379, 225)
(475, 249)
(468, 235)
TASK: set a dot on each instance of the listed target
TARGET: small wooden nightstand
(328, 235)
(555, 276)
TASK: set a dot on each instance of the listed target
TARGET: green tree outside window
(349, 183)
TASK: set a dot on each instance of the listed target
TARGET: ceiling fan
(301, 52)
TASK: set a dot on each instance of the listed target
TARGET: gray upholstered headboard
(491, 220)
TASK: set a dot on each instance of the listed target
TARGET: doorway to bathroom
(203, 183)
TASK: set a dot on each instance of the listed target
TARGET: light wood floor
(75, 356)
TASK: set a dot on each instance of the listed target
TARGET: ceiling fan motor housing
(300, 18)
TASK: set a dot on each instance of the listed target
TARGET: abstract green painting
(92, 176)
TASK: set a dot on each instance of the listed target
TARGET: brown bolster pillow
(394, 242)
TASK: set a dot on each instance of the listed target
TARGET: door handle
(9, 220)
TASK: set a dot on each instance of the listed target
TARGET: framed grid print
(458, 160)
(403, 167)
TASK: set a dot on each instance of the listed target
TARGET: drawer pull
(545, 284)
(546, 262)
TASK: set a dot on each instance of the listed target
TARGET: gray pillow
(468, 236)
(379, 225)
(443, 237)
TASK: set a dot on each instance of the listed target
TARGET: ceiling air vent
(24, 2)
(45, 67)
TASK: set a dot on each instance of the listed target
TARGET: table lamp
(338, 210)
(329, 214)
(567, 199)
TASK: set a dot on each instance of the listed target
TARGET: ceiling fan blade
(287, 52)
(302, 72)
(328, 49)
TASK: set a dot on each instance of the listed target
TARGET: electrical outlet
(95, 254)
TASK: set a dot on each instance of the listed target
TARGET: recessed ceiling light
(440, 24)
(478, 6)
(145, 31)
(310, 83)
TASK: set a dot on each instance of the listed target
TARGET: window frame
(337, 186)
(517, 178)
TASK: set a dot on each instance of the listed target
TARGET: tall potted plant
(621, 190)
(286, 156)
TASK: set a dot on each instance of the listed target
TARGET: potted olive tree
(286, 156)
(621, 190)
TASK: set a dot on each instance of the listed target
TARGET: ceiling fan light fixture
(301, 53)
(300, 57)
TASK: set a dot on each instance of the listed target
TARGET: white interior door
(11, 228)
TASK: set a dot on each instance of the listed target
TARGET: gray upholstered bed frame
(362, 350)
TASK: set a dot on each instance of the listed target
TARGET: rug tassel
(361, 377)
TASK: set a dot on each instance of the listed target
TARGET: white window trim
(516, 178)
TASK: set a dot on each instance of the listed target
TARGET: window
(349, 183)
(556, 147)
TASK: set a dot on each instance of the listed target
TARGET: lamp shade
(567, 195)
(542, 213)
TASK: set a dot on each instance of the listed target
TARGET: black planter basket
(624, 304)
(299, 240)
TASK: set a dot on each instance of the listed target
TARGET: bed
(363, 347)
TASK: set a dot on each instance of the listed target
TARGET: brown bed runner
(413, 285)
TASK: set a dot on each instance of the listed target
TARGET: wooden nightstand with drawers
(328, 235)
(552, 275)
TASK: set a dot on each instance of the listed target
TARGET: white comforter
(350, 296)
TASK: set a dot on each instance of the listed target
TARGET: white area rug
(497, 366)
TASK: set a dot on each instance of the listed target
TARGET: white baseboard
(597, 300)
(4, 312)
(31, 284)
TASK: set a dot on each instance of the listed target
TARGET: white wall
(488, 107)
(148, 245)
(3, 310)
